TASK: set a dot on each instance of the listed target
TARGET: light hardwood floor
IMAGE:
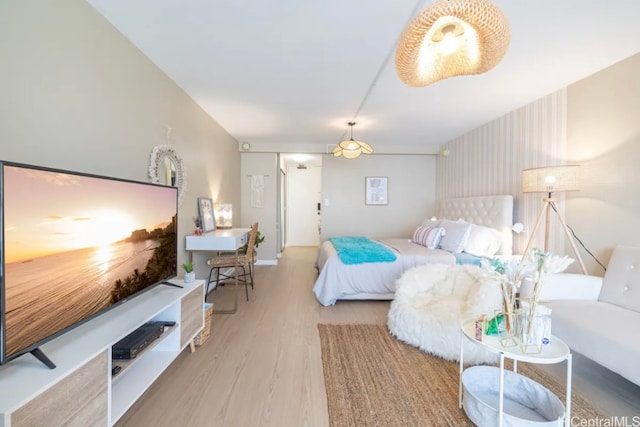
(261, 366)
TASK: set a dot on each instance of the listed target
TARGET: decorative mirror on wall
(166, 167)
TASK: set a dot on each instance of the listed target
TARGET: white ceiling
(292, 73)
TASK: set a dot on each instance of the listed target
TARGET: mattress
(374, 280)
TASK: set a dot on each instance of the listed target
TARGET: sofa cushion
(605, 333)
(621, 285)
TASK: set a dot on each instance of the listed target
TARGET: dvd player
(131, 345)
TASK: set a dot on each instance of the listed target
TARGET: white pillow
(428, 237)
(482, 241)
(455, 236)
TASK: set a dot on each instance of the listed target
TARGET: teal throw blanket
(358, 250)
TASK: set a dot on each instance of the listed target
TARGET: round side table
(554, 352)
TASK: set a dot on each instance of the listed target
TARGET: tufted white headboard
(490, 211)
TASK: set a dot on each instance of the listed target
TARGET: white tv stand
(81, 390)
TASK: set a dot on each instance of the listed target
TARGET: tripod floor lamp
(550, 180)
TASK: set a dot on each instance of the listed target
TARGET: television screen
(74, 245)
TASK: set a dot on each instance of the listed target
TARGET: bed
(376, 280)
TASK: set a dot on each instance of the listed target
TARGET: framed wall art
(376, 190)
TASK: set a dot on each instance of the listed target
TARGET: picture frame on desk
(205, 211)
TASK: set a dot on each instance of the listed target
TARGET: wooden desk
(230, 239)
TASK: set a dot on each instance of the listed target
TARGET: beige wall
(77, 95)
(265, 165)
(603, 136)
(593, 123)
(411, 195)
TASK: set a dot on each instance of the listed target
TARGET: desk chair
(236, 261)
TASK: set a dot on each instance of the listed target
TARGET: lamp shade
(351, 149)
(551, 179)
(452, 38)
(224, 215)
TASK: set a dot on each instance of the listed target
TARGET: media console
(82, 390)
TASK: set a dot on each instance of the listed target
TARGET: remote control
(115, 369)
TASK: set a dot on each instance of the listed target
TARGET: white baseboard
(267, 262)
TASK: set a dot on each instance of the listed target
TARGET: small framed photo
(376, 190)
(205, 211)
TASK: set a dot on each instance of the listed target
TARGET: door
(283, 210)
(303, 215)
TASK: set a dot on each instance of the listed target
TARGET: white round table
(554, 352)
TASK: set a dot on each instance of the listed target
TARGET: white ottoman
(431, 300)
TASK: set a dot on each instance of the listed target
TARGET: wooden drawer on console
(192, 315)
(78, 400)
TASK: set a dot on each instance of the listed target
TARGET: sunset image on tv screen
(74, 245)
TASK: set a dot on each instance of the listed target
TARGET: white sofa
(600, 317)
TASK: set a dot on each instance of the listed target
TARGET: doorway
(303, 196)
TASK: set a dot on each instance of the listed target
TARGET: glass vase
(509, 332)
(534, 326)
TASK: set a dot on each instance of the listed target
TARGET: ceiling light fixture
(452, 38)
(350, 149)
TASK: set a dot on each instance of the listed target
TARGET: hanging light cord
(351, 125)
(383, 66)
(581, 243)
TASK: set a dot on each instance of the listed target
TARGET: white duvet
(339, 281)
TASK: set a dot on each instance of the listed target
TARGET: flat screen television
(74, 245)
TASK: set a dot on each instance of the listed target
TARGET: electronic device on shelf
(131, 345)
(74, 245)
(168, 323)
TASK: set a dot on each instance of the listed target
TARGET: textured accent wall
(489, 161)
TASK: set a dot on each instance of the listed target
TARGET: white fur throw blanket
(431, 300)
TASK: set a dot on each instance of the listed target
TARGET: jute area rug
(372, 379)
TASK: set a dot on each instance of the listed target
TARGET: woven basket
(204, 334)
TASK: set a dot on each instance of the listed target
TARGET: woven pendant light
(350, 149)
(452, 38)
